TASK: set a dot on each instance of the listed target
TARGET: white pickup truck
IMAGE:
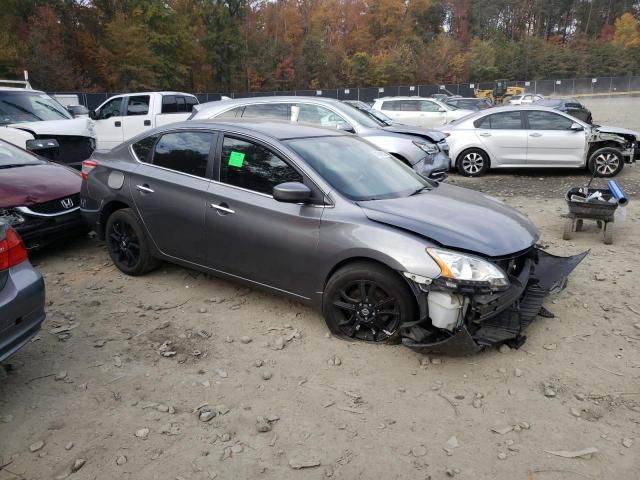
(124, 116)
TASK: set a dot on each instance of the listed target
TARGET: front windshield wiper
(22, 109)
(13, 165)
(420, 190)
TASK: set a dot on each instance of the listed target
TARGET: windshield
(358, 170)
(11, 156)
(25, 106)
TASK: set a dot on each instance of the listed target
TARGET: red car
(39, 199)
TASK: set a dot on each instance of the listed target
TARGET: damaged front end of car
(462, 312)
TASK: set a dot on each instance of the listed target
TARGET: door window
(391, 105)
(169, 104)
(427, 106)
(317, 115)
(501, 121)
(275, 111)
(254, 167)
(233, 113)
(138, 105)
(548, 121)
(113, 108)
(144, 148)
(186, 152)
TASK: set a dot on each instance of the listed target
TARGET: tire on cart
(608, 233)
(567, 234)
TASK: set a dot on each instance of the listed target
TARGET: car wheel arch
(603, 144)
(107, 210)
(387, 264)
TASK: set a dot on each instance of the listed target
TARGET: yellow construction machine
(501, 93)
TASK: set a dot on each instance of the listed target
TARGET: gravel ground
(175, 375)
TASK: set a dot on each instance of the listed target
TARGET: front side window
(427, 106)
(169, 104)
(113, 108)
(138, 105)
(253, 167)
(186, 152)
(391, 105)
(317, 115)
(548, 121)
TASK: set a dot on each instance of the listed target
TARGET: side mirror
(576, 127)
(345, 127)
(292, 192)
(93, 115)
(442, 109)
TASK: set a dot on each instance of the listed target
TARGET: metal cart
(601, 212)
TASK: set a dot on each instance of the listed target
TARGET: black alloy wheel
(127, 243)
(365, 301)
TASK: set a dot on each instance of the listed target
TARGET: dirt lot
(122, 365)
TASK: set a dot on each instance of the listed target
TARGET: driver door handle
(144, 188)
(117, 124)
(536, 134)
(223, 208)
(485, 134)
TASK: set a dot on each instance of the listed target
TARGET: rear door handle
(118, 124)
(144, 188)
(223, 208)
(535, 134)
(147, 123)
(485, 134)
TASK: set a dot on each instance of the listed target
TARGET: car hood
(458, 218)
(82, 127)
(434, 135)
(618, 131)
(32, 184)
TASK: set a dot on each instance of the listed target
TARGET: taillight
(87, 166)
(12, 250)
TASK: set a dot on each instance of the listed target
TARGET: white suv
(423, 112)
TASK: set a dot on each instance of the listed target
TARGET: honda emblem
(67, 203)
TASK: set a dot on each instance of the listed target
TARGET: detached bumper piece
(494, 319)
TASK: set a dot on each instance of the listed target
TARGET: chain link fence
(563, 87)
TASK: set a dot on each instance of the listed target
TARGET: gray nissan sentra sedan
(329, 220)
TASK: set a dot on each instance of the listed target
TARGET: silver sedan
(536, 137)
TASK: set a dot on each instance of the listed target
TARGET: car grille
(73, 149)
(56, 206)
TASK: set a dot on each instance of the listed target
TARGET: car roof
(272, 99)
(415, 97)
(469, 98)
(18, 89)
(279, 130)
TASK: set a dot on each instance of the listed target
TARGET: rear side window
(233, 113)
(391, 105)
(275, 111)
(501, 121)
(254, 167)
(144, 148)
(185, 152)
(169, 104)
(138, 105)
(191, 101)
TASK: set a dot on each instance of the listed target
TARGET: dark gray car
(329, 220)
(21, 294)
(426, 151)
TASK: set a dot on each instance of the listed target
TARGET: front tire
(606, 162)
(473, 163)
(127, 243)
(368, 302)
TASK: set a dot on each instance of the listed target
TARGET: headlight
(468, 270)
(38, 144)
(430, 148)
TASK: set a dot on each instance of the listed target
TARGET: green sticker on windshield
(236, 159)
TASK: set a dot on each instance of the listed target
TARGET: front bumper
(435, 166)
(494, 319)
(21, 308)
(37, 231)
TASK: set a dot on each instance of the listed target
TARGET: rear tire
(473, 163)
(368, 302)
(127, 243)
(606, 162)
